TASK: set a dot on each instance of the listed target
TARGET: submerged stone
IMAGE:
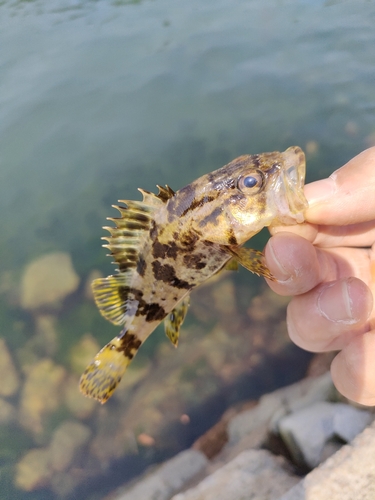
(82, 353)
(7, 412)
(8, 373)
(48, 280)
(33, 470)
(78, 405)
(67, 441)
(41, 394)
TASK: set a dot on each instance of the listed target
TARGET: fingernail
(320, 191)
(276, 268)
(335, 302)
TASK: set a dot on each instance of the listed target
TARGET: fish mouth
(290, 199)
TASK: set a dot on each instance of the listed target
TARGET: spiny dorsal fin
(151, 199)
(157, 200)
(174, 320)
(129, 233)
(126, 244)
(165, 192)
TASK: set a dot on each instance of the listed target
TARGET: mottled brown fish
(169, 243)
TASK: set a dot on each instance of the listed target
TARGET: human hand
(328, 265)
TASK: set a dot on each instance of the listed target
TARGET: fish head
(251, 192)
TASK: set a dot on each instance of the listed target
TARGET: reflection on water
(98, 98)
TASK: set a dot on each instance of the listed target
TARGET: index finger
(353, 235)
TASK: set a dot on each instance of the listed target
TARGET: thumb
(346, 196)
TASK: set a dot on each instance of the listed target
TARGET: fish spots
(135, 305)
(179, 205)
(212, 218)
(198, 203)
(129, 344)
(232, 240)
(188, 240)
(167, 274)
(163, 250)
(141, 266)
(154, 312)
(127, 293)
(195, 261)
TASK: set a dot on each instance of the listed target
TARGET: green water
(101, 97)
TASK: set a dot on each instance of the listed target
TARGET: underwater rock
(33, 470)
(83, 352)
(78, 405)
(46, 338)
(41, 345)
(7, 412)
(134, 376)
(8, 373)
(224, 296)
(63, 483)
(67, 441)
(111, 440)
(48, 280)
(267, 306)
(95, 274)
(41, 394)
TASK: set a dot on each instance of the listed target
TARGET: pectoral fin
(174, 320)
(231, 265)
(252, 260)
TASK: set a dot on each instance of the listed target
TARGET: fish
(171, 242)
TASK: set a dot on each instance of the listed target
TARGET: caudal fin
(105, 371)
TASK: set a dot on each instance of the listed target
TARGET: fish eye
(251, 184)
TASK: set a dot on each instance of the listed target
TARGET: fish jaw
(281, 199)
(287, 191)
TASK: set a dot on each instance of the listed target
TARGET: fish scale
(171, 242)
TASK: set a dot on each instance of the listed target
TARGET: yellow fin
(231, 265)
(157, 200)
(165, 192)
(131, 230)
(105, 371)
(110, 296)
(252, 260)
(174, 320)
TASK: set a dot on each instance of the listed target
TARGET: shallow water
(98, 98)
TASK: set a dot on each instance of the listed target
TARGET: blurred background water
(99, 98)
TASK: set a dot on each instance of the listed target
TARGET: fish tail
(104, 373)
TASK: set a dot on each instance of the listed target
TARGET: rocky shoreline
(234, 348)
(304, 439)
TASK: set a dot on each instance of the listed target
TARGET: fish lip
(290, 199)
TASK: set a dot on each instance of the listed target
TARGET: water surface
(99, 98)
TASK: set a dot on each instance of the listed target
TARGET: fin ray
(110, 296)
(104, 373)
(231, 265)
(252, 260)
(174, 320)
